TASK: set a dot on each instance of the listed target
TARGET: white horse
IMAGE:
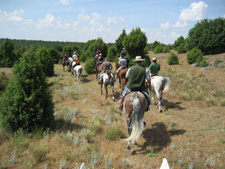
(77, 70)
(108, 79)
(71, 63)
(159, 84)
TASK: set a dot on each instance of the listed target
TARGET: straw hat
(74, 52)
(154, 59)
(138, 58)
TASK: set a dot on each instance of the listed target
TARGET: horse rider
(77, 61)
(123, 52)
(98, 52)
(105, 66)
(65, 58)
(154, 67)
(135, 80)
(123, 64)
(74, 57)
(100, 60)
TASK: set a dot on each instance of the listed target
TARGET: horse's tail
(166, 81)
(137, 123)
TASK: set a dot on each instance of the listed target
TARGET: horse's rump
(160, 83)
(135, 105)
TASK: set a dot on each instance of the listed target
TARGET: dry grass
(189, 132)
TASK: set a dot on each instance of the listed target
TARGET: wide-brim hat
(154, 59)
(74, 52)
(138, 58)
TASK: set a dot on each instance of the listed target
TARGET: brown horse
(108, 79)
(121, 75)
(134, 105)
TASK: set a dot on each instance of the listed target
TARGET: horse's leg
(119, 81)
(153, 97)
(106, 92)
(113, 93)
(101, 89)
(159, 98)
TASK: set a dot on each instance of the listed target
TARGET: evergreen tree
(173, 59)
(46, 61)
(154, 45)
(208, 36)
(7, 56)
(91, 48)
(166, 49)
(27, 102)
(178, 42)
(119, 42)
(135, 44)
(112, 54)
(195, 55)
(89, 66)
(54, 55)
(158, 49)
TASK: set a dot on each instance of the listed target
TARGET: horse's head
(117, 65)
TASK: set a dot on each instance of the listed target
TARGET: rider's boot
(121, 102)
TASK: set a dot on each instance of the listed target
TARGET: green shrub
(195, 55)
(204, 63)
(181, 49)
(27, 102)
(89, 66)
(166, 49)
(217, 62)
(3, 81)
(112, 54)
(173, 59)
(114, 133)
(158, 49)
(47, 62)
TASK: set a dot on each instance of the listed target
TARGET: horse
(97, 68)
(77, 70)
(121, 75)
(108, 79)
(159, 84)
(134, 105)
(71, 63)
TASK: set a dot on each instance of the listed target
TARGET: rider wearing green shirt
(154, 67)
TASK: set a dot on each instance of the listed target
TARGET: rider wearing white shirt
(123, 64)
(74, 56)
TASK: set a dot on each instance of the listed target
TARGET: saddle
(137, 89)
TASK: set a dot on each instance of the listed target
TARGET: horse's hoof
(160, 111)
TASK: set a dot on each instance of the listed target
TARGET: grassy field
(189, 133)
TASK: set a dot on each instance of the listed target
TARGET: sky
(83, 20)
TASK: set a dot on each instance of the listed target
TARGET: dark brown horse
(121, 75)
(134, 105)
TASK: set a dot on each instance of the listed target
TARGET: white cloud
(75, 24)
(64, 2)
(114, 20)
(111, 21)
(178, 24)
(51, 22)
(196, 12)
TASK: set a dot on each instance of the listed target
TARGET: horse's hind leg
(159, 98)
(113, 93)
(106, 92)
